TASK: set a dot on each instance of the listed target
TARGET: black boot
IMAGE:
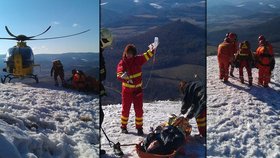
(102, 152)
(124, 130)
(140, 131)
(250, 82)
(231, 70)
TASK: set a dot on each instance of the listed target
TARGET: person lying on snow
(81, 82)
(57, 70)
(129, 72)
(195, 100)
(166, 139)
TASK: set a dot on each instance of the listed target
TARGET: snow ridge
(46, 123)
(242, 121)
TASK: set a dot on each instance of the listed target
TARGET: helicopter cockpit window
(25, 52)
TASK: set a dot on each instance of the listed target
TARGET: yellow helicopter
(20, 58)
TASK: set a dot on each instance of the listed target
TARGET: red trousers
(264, 75)
(134, 96)
(246, 65)
(224, 68)
(201, 123)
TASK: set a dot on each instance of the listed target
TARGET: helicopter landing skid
(10, 77)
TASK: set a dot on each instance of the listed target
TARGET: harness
(265, 54)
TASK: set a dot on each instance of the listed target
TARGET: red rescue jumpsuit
(245, 57)
(226, 52)
(264, 54)
(132, 92)
(201, 123)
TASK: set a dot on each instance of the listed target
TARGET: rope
(151, 71)
(113, 89)
(110, 142)
(128, 144)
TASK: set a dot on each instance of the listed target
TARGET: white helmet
(106, 38)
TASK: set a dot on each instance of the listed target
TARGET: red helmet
(232, 36)
(227, 34)
(261, 37)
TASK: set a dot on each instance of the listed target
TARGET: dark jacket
(102, 66)
(194, 99)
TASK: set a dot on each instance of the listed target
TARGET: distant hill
(225, 14)
(269, 29)
(181, 43)
(128, 18)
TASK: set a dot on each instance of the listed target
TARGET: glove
(124, 75)
(153, 46)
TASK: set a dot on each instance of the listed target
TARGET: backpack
(265, 58)
(57, 65)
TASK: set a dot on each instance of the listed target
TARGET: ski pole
(110, 142)
(116, 146)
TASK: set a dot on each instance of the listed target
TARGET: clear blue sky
(31, 17)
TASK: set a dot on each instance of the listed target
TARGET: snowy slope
(155, 113)
(47, 123)
(242, 121)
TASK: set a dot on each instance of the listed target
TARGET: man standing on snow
(245, 58)
(105, 41)
(129, 72)
(235, 43)
(57, 70)
(270, 49)
(226, 52)
(195, 100)
(265, 58)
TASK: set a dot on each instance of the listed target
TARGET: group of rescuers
(233, 54)
(78, 81)
(129, 73)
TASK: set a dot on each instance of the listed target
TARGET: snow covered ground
(155, 113)
(242, 121)
(44, 121)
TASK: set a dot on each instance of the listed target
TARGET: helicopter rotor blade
(9, 32)
(61, 36)
(40, 33)
(9, 39)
